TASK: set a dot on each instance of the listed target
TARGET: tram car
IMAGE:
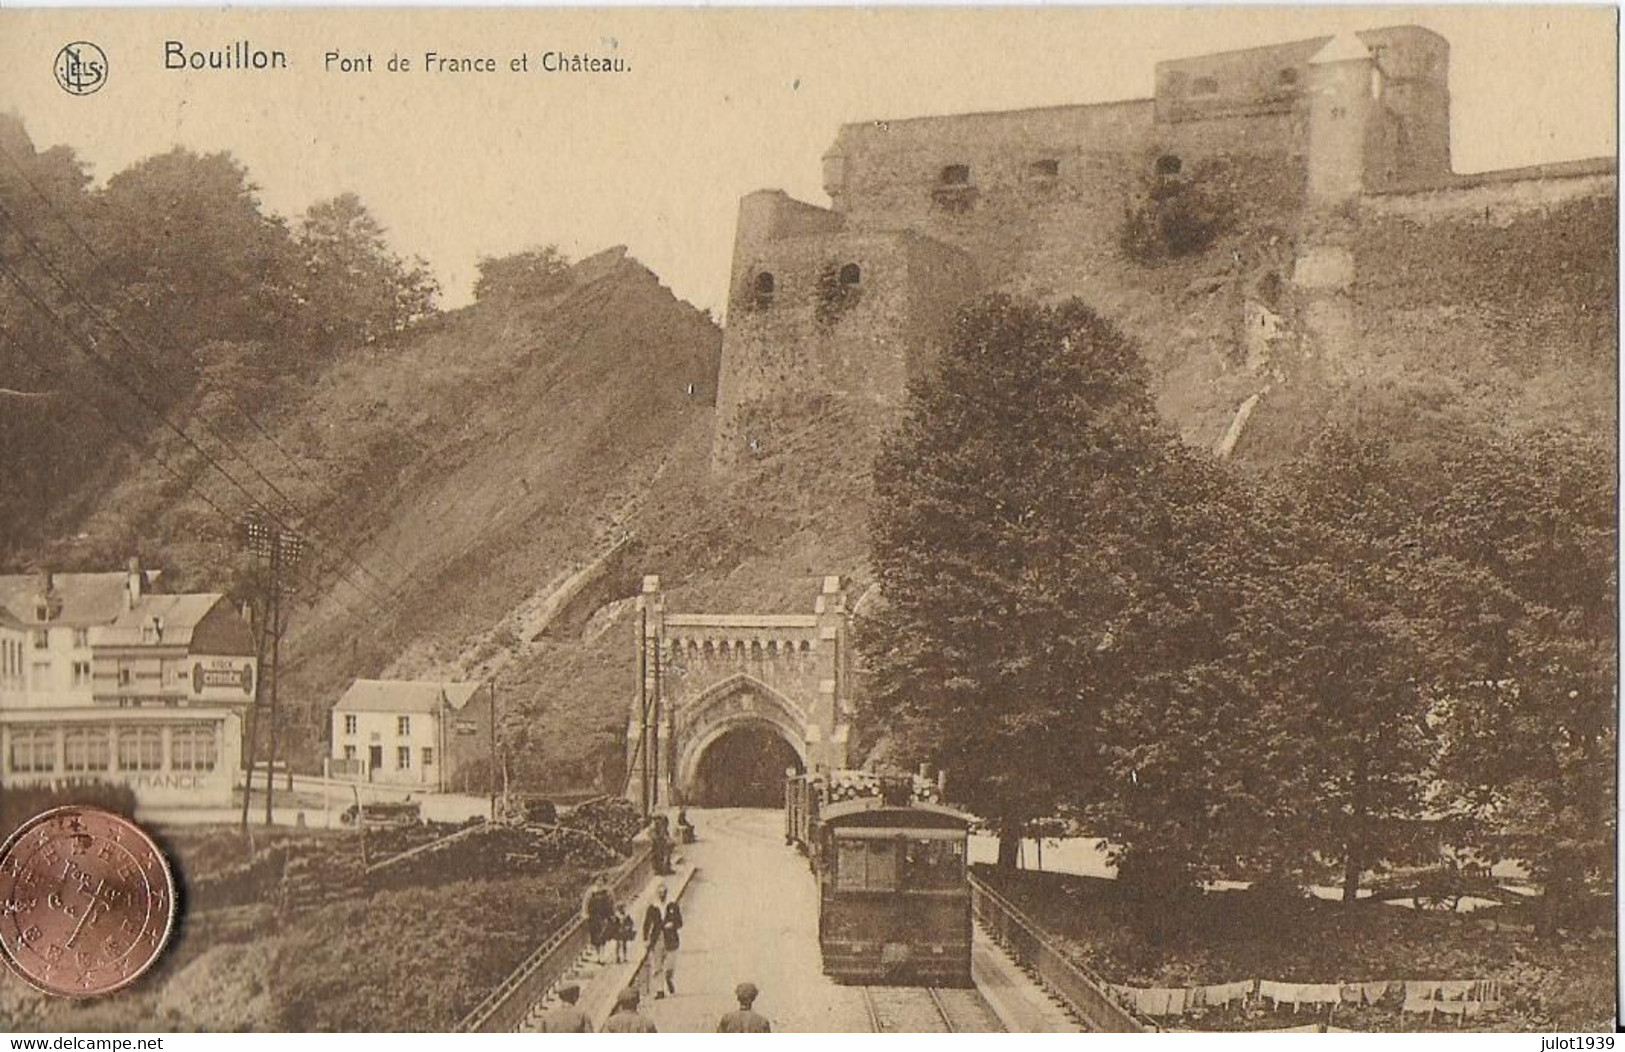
(894, 905)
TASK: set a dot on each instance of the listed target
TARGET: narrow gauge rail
(927, 1010)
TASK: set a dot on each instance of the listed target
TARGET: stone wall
(848, 321)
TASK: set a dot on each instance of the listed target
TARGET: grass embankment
(1548, 983)
(415, 958)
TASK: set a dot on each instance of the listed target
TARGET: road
(752, 913)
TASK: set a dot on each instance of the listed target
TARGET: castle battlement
(841, 305)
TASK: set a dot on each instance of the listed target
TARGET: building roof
(86, 598)
(178, 615)
(404, 695)
(1343, 48)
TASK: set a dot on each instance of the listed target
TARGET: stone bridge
(727, 702)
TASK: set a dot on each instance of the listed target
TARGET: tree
(1339, 665)
(524, 275)
(1011, 542)
(354, 289)
(1527, 528)
(192, 257)
(50, 438)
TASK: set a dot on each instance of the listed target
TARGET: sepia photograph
(889, 520)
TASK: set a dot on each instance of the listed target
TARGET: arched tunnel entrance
(744, 768)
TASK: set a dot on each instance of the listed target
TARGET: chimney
(132, 589)
(46, 603)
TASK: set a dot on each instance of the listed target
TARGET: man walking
(627, 1019)
(567, 1017)
(746, 1020)
(662, 922)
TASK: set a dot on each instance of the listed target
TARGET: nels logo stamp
(81, 68)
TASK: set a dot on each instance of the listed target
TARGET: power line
(32, 296)
(90, 250)
(233, 522)
(110, 369)
(67, 286)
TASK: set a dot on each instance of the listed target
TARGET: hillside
(507, 472)
(467, 465)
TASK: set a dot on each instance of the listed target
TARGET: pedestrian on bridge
(600, 911)
(746, 1020)
(662, 922)
(624, 933)
(627, 1019)
(567, 1017)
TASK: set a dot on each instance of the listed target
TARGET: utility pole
(282, 552)
(493, 686)
(643, 708)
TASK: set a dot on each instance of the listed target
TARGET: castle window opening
(1047, 168)
(764, 290)
(850, 274)
(955, 175)
(1288, 77)
(1204, 86)
(1169, 164)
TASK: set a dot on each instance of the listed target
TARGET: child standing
(624, 931)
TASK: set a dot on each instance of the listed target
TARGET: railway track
(927, 1010)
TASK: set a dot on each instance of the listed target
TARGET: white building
(420, 733)
(101, 680)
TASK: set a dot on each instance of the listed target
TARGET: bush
(1173, 217)
(529, 274)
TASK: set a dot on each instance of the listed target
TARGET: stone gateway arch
(726, 702)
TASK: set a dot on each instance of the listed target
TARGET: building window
(954, 175)
(1047, 168)
(81, 638)
(86, 749)
(349, 752)
(1204, 86)
(81, 673)
(349, 724)
(42, 639)
(403, 757)
(762, 291)
(33, 751)
(141, 749)
(1288, 77)
(193, 749)
(428, 756)
(123, 677)
(403, 725)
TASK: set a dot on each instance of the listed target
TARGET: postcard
(887, 520)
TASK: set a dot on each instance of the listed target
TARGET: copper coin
(87, 901)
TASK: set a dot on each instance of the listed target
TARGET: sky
(716, 103)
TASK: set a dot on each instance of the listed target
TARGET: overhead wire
(31, 294)
(157, 411)
(139, 441)
(236, 404)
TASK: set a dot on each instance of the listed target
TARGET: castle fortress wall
(1303, 144)
(826, 317)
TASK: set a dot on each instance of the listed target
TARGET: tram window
(933, 864)
(866, 865)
